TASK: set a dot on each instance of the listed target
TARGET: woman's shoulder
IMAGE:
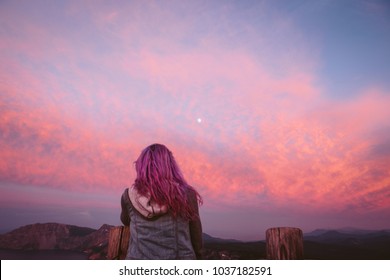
(125, 196)
(192, 194)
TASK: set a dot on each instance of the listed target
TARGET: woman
(161, 209)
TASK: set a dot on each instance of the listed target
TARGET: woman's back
(156, 236)
(161, 209)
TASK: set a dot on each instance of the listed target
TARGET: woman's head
(159, 177)
(156, 163)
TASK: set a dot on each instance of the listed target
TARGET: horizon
(345, 230)
(277, 112)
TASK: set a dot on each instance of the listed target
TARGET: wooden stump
(284, 243)
(118, 243)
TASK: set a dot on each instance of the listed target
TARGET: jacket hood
(145, 206)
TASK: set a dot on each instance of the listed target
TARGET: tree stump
(118, 243)
(284, 243)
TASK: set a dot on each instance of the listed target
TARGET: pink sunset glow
(282, 142)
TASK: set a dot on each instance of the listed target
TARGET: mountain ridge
(318, 244)
(345, 230)
(56, 236)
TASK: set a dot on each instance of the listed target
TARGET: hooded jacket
(155, 233)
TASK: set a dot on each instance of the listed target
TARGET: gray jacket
(155, 233)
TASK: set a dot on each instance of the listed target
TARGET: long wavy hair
(159, 177)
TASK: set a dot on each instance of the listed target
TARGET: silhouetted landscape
(59, 241)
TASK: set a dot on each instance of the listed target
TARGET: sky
(277, 112)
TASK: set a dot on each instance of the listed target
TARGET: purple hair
(159, 177)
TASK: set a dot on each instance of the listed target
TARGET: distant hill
(210, 239)
(54, 236)
(346, 230)
(347, 244)
(319, 244)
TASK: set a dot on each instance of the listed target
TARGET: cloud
(77, 112)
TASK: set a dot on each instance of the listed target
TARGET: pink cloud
(268, 138)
